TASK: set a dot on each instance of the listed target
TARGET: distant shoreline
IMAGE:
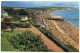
(65, 19)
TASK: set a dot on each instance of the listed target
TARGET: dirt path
(48, 42)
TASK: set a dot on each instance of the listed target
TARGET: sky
(39, 3)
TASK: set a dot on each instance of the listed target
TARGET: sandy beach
(59, 32)
(73, 30)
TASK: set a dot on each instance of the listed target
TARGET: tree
(23, 25)
(4, 27)
(22, 12)
(16, 17)
(12, 26)
(8, 19)
(11, 11)
(28, 25)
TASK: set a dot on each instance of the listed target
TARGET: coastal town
(56, 34)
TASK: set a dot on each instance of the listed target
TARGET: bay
(70, 16)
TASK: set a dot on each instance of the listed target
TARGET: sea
(70, 16)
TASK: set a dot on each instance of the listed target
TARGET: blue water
(71, 16)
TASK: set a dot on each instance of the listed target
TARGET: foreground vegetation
(5, 44)
(22, 41)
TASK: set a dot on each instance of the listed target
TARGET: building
(4, 13)
(25, 18)
(56, 17)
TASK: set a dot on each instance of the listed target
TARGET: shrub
(16, 17)
(23, 25)
(27, 41)
(8, 20)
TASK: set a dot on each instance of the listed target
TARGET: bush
(8, 20)
(28, 25)
(16, 17)
(27, 41)
(23, 25)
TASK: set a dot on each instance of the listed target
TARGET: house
(4, 13)
(25, 18)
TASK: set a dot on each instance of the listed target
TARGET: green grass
(5, 45)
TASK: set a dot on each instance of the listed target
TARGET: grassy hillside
(5, 45)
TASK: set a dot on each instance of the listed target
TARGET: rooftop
(56, 17)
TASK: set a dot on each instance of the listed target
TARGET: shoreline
(68, 20)
(58, 26)
(73, 31)
(72, 24)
